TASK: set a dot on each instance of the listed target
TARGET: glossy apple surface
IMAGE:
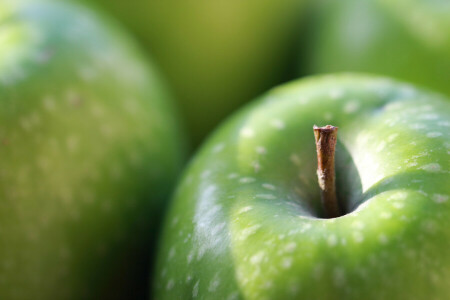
(89, 149)
(246, 223)
(405, 39)
(216, 54)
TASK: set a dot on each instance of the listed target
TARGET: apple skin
(90, 147)
(409, 40)
(245, 221)
(215, 54)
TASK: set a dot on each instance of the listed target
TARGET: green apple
(215, 54)
(90, 146)
(404, 39)
(246, 221)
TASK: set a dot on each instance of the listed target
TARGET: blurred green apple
(406, 39)
(246, 221)
(89, 149)
(216, 54)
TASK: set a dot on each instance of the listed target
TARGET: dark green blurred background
(406, 39)
(215, 54)
(218, 55)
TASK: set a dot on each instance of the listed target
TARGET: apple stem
(326, 145)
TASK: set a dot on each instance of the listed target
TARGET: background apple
(215, 54)
(404, 39)
(246, 219)
(89, 149)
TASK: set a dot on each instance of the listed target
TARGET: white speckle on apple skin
(358, 225)
(218, 228)
(398, 205)
(205, 174)
(351, 107)
(392, 137)
(385, 215)
(256, 166)
(245, 233)
(303, 100)
(218, 148)
(335, 94)
(407, 90)
(163, 272)
(286, 263)
(175, 221)
(195, 289)
(190, 256)
(411, 164)
(401, 196)
(265, 196)
(306, 227)
(358, 237)
(247, 180)
(433, 167)
(233, 296)
(332, 240)
(268, 284)
(247, 132)
(381, 146)
(188, 278)
(434, 134)
(201, 252)
(417, 126)
(261, 150)
(439, 198)
(170, 284)
(383, 239)
(214, 284)
(257, 258)
(290, 247)
(268, 186)
(172, 252)
(278, 124)
(233, 175)
(423, 193)
(244, 209)
(428, 117)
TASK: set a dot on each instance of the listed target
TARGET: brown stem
(325, 145)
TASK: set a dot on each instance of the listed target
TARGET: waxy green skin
(406, 39)
(89, 149)
(245, 221)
